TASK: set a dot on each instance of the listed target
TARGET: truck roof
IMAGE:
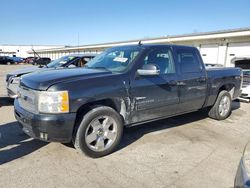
(156, 45)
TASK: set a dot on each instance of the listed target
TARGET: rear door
(192, 80)
(155, 96)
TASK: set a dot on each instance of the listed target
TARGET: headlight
(15, 80)
(246, 158)
(53, 102)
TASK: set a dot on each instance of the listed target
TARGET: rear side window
(188, 60)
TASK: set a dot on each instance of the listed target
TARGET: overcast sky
(98, 21)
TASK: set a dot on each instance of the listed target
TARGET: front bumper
(46, 127)
(242, 180)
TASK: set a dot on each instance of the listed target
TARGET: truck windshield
(115, 59)
(61, 61)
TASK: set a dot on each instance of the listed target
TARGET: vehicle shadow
(235, 104)
(132, 134)
(6, 101)
(15, 144)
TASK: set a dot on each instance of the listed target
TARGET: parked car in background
(242, 178)
(244, 64)
(6, 60)
(41, 61)
(123, 86)
(30, 60)
(17, 60)
(77, 60)
(246, 84)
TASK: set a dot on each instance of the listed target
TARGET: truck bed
(229, 77)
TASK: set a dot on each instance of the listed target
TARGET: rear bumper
(46, 127)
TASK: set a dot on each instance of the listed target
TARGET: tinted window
(189, 61)
(162, 59)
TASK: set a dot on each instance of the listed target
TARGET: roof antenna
(139, 43)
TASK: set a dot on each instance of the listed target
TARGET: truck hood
(42, 80)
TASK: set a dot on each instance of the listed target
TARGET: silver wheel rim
(224, 106)
(101, 133)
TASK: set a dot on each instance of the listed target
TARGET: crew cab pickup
(123, 86)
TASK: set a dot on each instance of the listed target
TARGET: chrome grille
(27, 99)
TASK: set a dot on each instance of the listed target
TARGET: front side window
(115, 59)
(162, 59)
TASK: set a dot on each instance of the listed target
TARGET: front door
(155, 96)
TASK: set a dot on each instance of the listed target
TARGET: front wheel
(99, 132)
(222, 107)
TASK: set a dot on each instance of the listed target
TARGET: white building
(218, 47)
(22, 50)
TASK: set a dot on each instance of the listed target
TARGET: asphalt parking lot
(186, 151)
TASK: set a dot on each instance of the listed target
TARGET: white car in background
(246, 84)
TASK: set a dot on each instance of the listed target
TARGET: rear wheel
(99, 132)
(222, 107)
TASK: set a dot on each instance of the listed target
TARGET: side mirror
(148, 70)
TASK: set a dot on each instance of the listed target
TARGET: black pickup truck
(123, 86)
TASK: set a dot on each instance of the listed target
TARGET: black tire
(79, 139)
(214, 112)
